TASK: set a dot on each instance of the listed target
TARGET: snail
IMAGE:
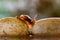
(16, 26)
(47, 27)
(23, 25)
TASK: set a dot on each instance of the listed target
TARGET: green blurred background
(41, 8)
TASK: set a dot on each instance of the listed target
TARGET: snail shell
(12, 26)
(47, 26)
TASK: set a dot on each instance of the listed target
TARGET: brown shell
(12, 27)
(48, 26)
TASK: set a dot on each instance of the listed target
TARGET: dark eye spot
(28, 19)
